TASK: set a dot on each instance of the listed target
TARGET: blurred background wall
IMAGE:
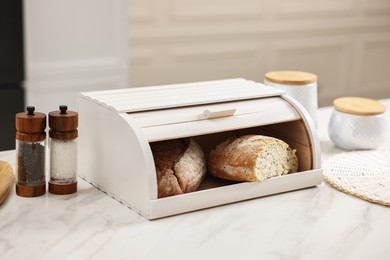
(85, 45)
(345, 42)
(53, 49)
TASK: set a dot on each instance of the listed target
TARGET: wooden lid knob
(359, 106)
(30, 125)
(63, 123)
(291, 77)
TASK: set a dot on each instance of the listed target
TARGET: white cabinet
(73, 46)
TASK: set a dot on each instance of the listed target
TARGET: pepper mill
(63, 151)
(30, 153)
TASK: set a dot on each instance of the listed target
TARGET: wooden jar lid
(359, 106)
(63, 123)
(291, 77)
(30, 125)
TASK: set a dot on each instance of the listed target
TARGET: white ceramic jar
(357, 123)
(298, 84)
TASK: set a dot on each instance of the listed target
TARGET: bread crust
(180, 166)
(249, 158)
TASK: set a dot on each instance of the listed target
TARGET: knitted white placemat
(364, 174)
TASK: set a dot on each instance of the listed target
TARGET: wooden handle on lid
(219, 113)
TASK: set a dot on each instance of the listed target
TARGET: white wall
(345, 42)
(73, 46)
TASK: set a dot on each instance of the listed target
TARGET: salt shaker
(30, 153)
(63, 151)
(298, 84)
(357, 123)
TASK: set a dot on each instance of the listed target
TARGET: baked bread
(180, 166)
(252, 158)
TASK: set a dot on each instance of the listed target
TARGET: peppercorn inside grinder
(63, 151)
(30, 153)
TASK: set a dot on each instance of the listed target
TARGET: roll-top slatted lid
(180, 95)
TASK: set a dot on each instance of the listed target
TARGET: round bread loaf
(180, 166)
(252, 158)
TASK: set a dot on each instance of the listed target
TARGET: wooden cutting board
(6, 180)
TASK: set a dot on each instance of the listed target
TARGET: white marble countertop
(314, 223)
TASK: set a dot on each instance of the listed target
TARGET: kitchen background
(71, 46)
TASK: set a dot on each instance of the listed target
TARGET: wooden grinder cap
(63, 123)
(30, 125)
(359, 106)
(291, 77)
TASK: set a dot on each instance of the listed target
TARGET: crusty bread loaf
(180, 166)
(252, 158)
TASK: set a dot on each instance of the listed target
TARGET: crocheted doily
(364, 174)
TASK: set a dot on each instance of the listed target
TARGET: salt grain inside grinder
(30, 153)
(63, 151)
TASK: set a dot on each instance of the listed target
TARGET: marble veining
(313, 223)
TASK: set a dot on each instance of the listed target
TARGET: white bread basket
(116, 127)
